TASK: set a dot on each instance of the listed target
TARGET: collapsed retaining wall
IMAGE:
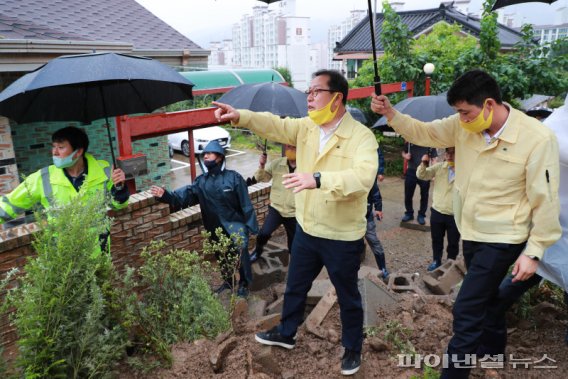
(133, 228)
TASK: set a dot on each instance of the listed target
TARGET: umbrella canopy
(423, 108)
(268, 97)
(357, 114)
(503, 3)
(92, 86)
(88, 87)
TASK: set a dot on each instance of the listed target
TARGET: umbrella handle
(377, 78)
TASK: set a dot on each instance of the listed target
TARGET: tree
(285, 72)
(442, 46)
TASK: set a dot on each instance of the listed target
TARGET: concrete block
(441, 280)
(374, 297)
(403, 283)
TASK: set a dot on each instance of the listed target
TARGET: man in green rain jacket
(73, 169)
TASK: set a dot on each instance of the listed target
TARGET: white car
(201, 137)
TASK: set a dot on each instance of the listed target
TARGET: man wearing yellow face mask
(505, 197)
(337, 166)
(282, 208)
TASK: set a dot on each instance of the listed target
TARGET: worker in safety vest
(73, 169)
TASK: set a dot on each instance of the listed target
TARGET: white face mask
(68, 161)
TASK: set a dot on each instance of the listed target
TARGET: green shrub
(176, 303)
(62, 314)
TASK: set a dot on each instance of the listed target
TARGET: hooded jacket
(222, 195)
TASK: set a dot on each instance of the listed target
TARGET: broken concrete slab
(265, 322)
(256, 308)
(374, 297)
(266, 271)
(275, 250)
(441, 280)
(318, 290)
(316, 317)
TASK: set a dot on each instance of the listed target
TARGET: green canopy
(231, 78)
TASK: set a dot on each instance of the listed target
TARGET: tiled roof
(13, 28)
(359, 39)
(100, 20)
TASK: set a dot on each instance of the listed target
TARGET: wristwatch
(317, 177)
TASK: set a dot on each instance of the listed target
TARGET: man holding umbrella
(336, 160)
(73, 169)
(506, 202)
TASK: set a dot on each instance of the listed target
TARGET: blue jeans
(374, 243)
(342, 261)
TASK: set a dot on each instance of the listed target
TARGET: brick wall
(132, 229)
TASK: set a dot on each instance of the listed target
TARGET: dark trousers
(410, 182)
(487, 264)
(440, 225)
(494, 338)
(272, 221)
(342, 261)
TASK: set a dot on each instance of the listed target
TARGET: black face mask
(209, 164)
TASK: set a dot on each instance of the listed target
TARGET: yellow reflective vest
(49, 185)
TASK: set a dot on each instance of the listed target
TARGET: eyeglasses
(315, 91)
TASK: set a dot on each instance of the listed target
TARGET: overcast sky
(204, 21)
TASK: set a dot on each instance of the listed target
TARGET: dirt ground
(429, 323)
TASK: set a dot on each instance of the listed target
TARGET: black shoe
(223, 287)
(407, 217)
(351, 362)
(273, 337)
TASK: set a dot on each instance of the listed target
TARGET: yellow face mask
(324, 115)
(290, 155)
(479, 123)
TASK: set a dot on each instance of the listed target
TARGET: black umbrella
(503, 3)
(423, 108)
(89, 87)
(357, 114)
(270, 97)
